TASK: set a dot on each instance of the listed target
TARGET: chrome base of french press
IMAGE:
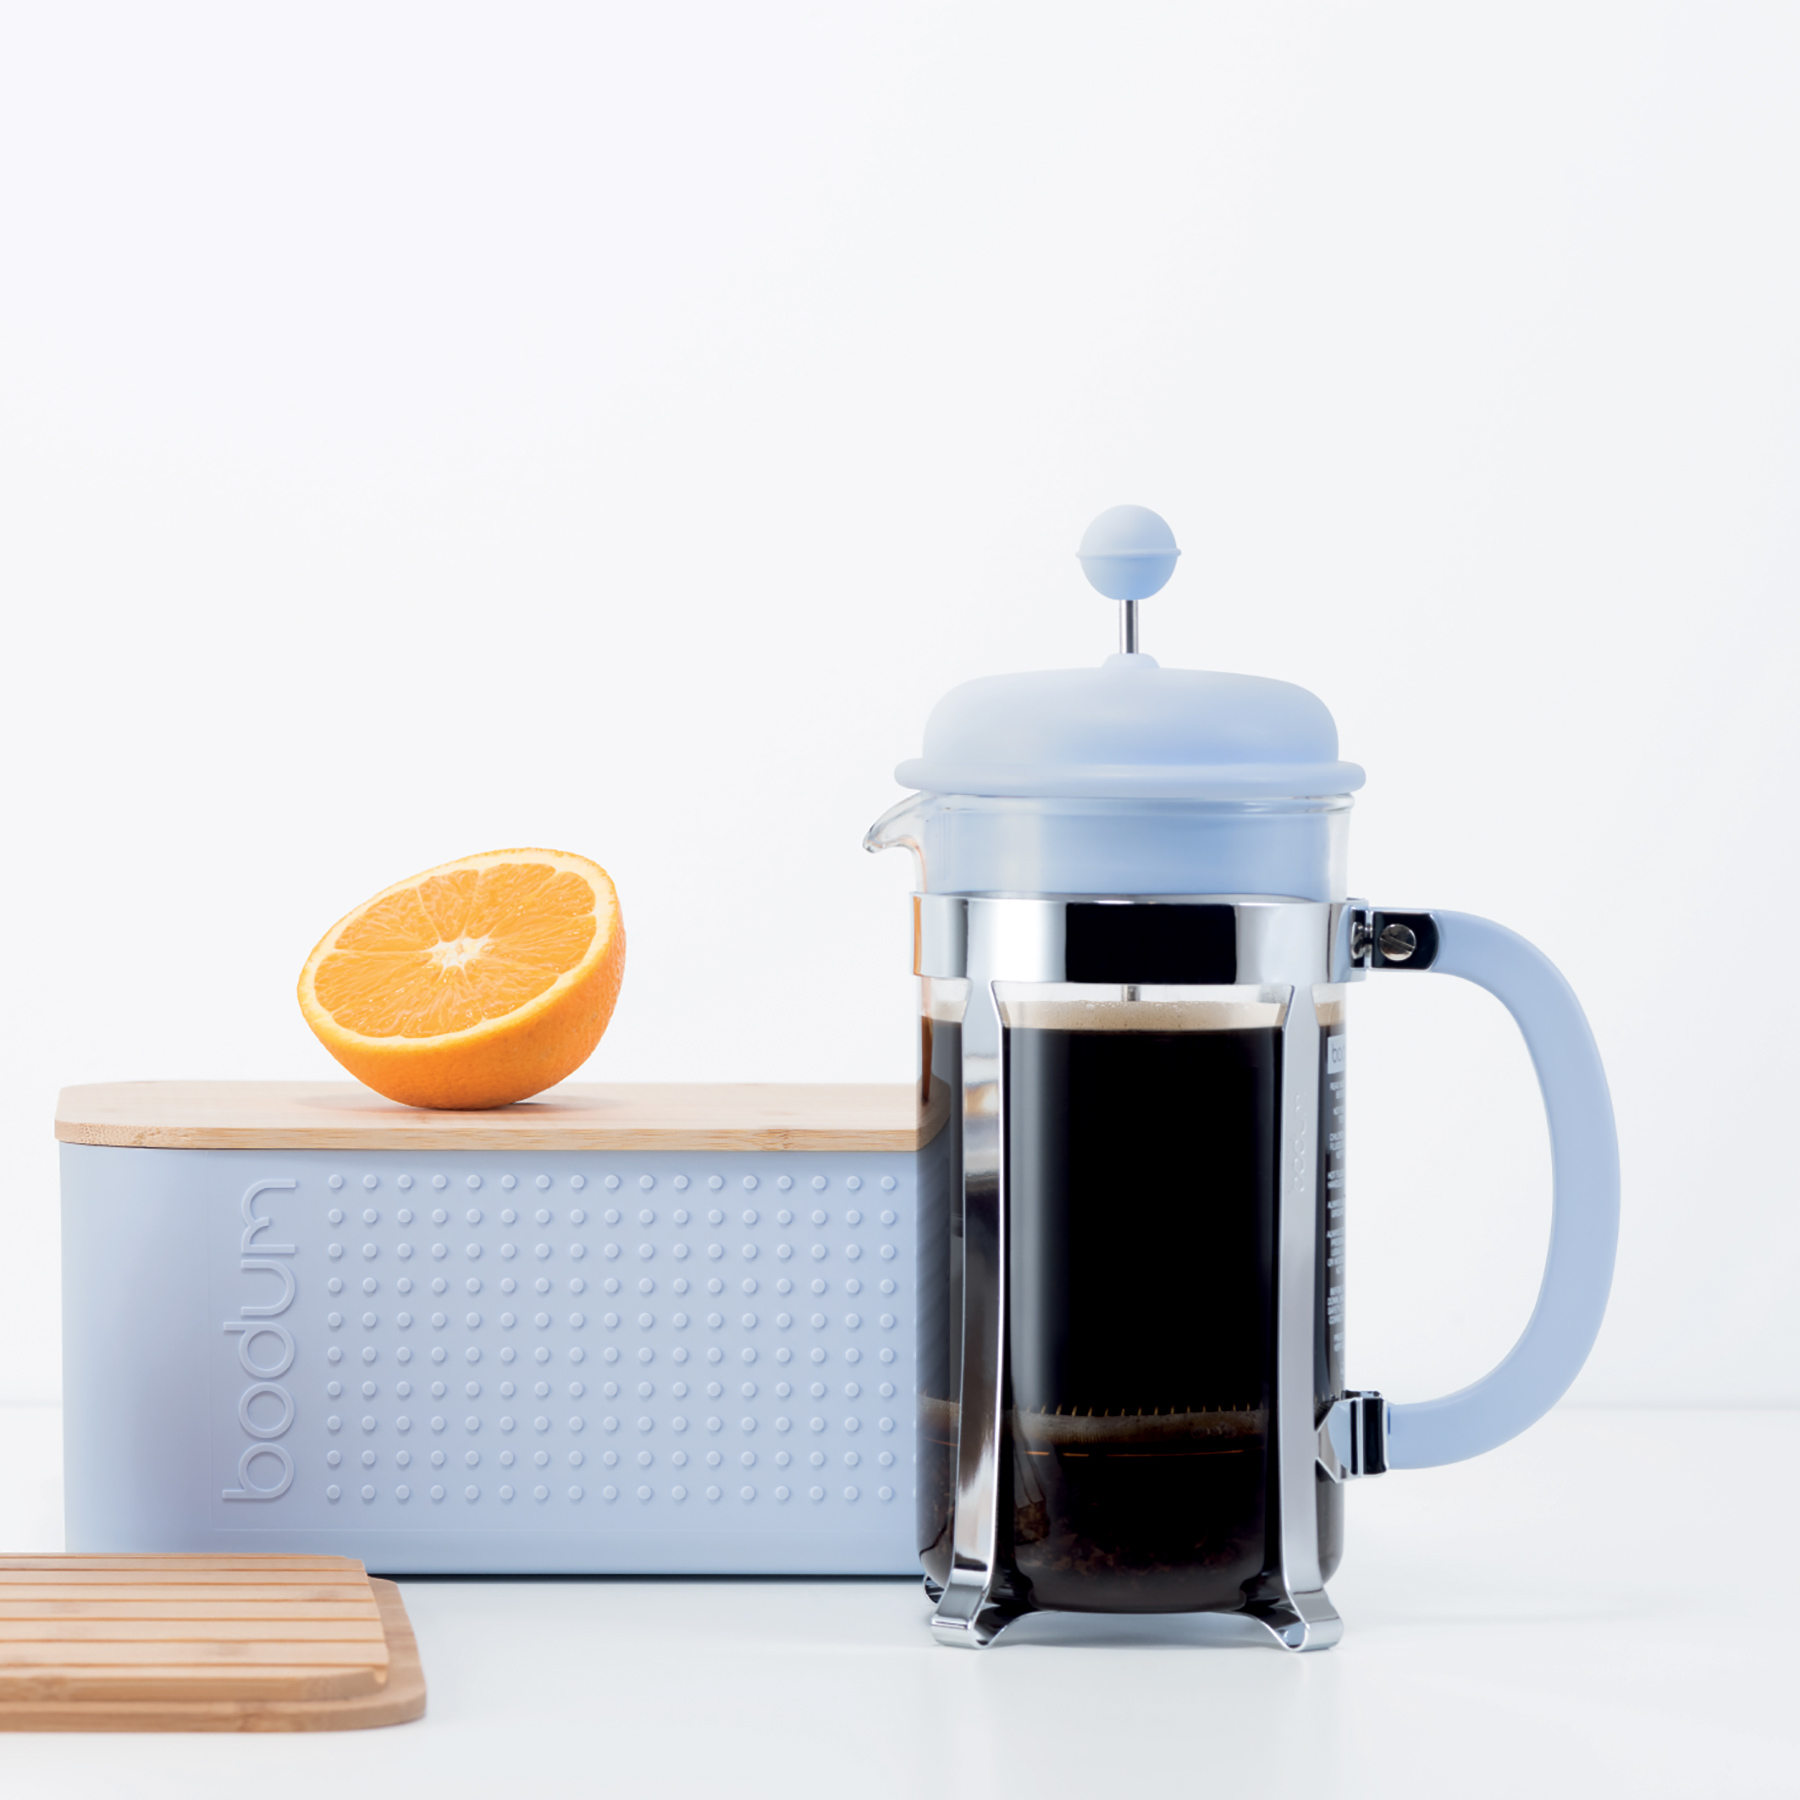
(981, 943)
(1305, 1621)
(972, 1616)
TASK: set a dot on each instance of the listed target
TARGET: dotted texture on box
(551, 1342)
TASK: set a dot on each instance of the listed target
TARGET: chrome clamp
(1353, 1439)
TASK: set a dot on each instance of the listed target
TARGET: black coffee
(1141, 1180)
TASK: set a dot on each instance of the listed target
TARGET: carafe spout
(903, 825)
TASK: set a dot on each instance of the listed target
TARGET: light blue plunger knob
(1128, 553)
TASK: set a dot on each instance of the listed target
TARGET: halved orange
(475, 984)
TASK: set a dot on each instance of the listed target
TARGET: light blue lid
(1130, 729)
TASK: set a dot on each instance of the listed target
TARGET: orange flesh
(456, 950)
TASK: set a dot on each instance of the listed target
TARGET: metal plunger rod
(1128, 636)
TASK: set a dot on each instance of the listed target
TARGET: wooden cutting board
(203, 1643)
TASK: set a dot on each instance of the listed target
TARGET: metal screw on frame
(1128, 553)
(1398, 942)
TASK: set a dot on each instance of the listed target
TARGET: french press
(1134, 947)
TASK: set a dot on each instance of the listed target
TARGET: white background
(431, 428)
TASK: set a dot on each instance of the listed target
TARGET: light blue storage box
(297, 1318)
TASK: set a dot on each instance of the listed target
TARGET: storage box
(645, 1329)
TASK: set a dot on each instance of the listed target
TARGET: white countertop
(1606, 1606)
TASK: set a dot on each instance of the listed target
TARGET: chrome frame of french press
(978, 941)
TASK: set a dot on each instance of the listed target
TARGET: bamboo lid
(342, 1115)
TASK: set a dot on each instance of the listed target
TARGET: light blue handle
(1584, 1218)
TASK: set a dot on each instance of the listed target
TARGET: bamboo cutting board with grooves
(203, 1643)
